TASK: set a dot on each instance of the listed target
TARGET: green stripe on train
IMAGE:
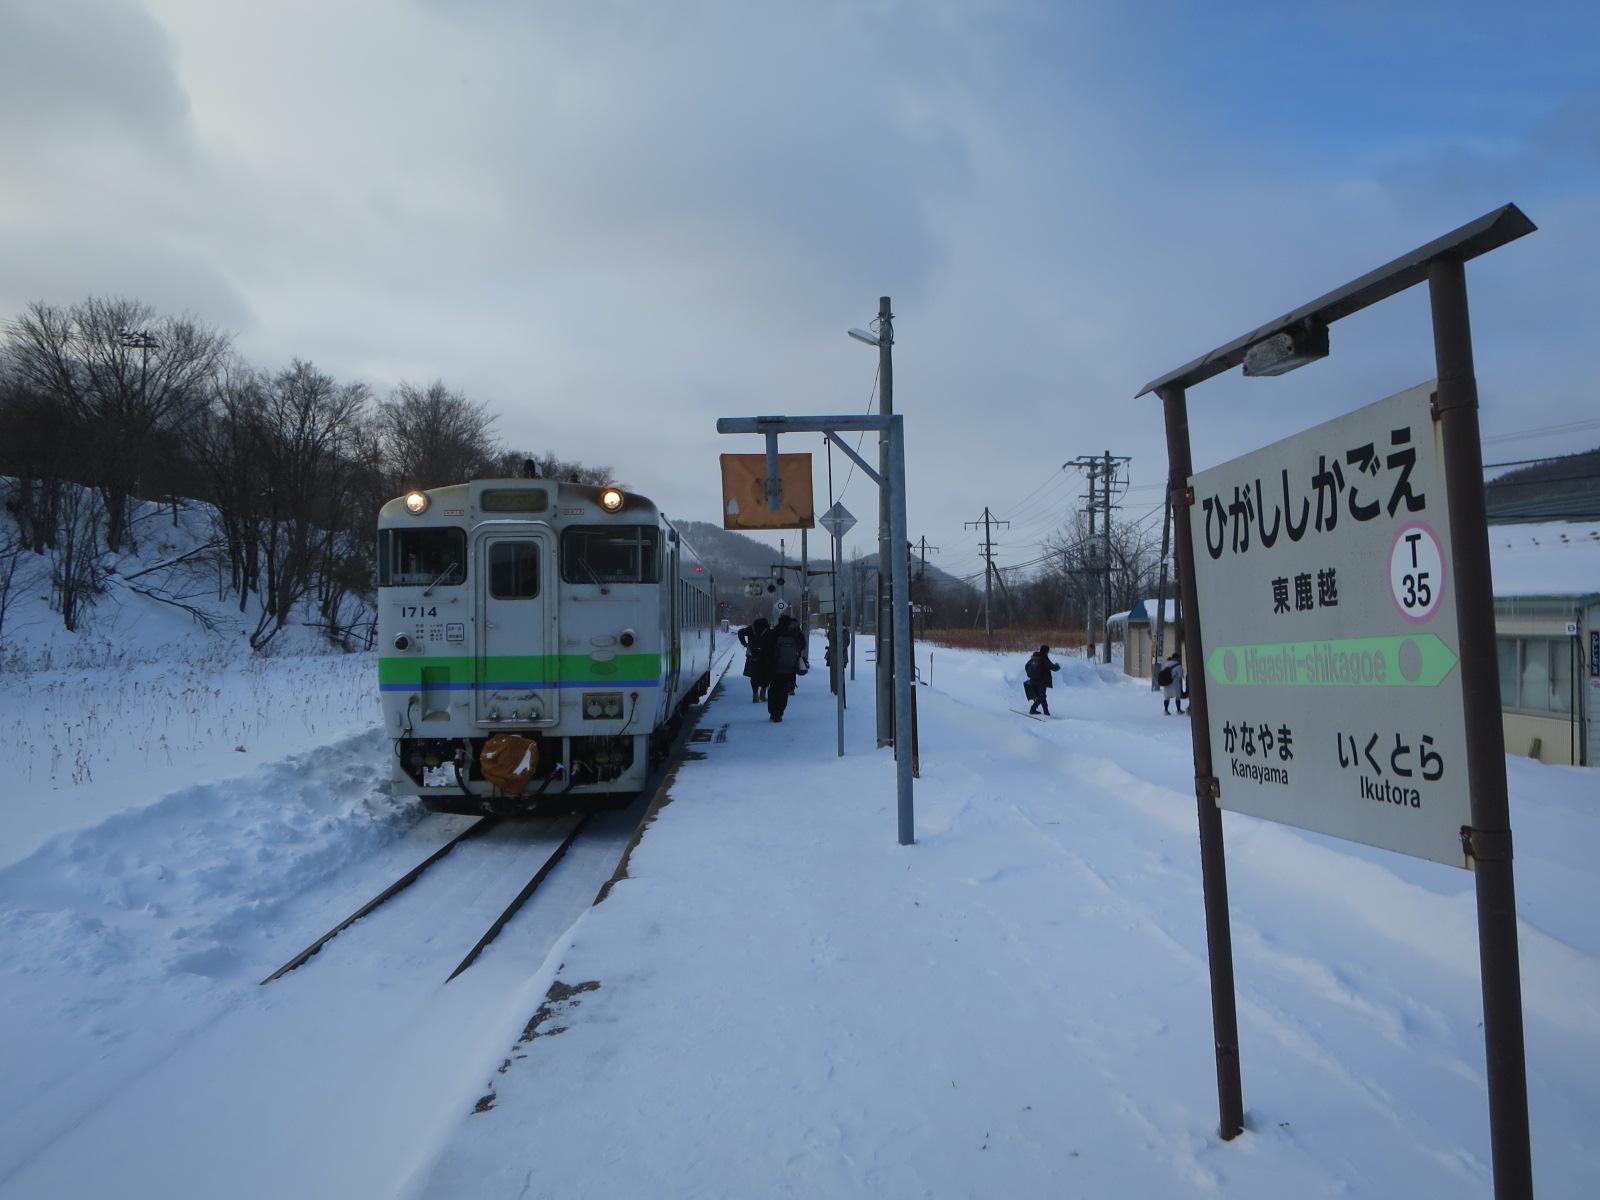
(517, 668)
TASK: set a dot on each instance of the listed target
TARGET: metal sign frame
(893, 484)
(1290, 341)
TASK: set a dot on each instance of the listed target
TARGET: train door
(517, 654)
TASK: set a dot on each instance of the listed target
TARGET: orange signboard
(744, 493)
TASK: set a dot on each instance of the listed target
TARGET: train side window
(420, 557)
(513, 570)
(610, 554)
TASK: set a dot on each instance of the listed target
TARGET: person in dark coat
(1171, 680)
(786, 650)
(755, 665)
(829, 658)
(1037, 688)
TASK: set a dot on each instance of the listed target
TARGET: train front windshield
(610, 554)
(420, 557)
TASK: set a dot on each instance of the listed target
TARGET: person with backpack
(755, 670)
(1170, 677)
(1038, 684)
(785, 658)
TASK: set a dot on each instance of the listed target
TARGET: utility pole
(1158, 650)
(1105, 556)
(1107, 478)
(1091, 468)
(1101, 469)
(884, 622)
(922, 571)
(988, 522)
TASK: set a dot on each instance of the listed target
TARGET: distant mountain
(734, 557)
(1556, 489)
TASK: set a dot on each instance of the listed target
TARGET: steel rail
(521, 898)
(481, 826)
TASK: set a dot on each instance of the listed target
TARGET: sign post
(1353, 604)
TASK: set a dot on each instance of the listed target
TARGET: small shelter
(1547, 638)
(1138, 629)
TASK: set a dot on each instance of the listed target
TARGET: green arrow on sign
(1409, 660)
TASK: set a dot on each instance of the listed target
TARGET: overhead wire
(872, 399)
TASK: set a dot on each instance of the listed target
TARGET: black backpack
(1165, 677)
(785, 655)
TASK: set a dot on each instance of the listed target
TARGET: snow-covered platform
(780, 1000)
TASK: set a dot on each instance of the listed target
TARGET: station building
(1547, 638)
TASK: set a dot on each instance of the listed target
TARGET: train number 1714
(418, 610)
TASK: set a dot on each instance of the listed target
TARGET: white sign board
(838, 520)
(1328, 622)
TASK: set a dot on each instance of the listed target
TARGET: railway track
(563, 830)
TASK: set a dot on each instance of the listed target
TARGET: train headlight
(416, 503)
(611, 499)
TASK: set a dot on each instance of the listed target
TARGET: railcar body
(570, 615)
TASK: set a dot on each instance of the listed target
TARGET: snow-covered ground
(780, 1000)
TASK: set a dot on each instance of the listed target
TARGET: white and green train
(570, 615)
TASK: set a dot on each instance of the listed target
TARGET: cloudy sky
(617, 221)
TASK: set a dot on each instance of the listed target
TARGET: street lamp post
(883, 622)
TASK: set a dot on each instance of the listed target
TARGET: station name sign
(1328, 624)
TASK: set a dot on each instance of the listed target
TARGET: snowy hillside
(158, 685)
(170, 601)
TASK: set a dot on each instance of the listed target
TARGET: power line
(1568, 427)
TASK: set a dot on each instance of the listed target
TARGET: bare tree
(309, 423)
(12, 548)
(125, 374)
(77, 573)
(510, 464)
(432, 436)
(226, 441)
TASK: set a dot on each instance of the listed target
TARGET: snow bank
(117, 939)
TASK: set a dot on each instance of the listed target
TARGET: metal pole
(988, 576)
(1088, 617)
(837, 670)
(1489, 838)
(1158, 650)
(1105, 558)
(805, 590)
(904, 756)
(884, 621)
(1213, 864)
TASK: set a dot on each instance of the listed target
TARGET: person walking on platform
(829, 658)
(1037, 689)
(752, 638)
(1170, 678)
(786, 654)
